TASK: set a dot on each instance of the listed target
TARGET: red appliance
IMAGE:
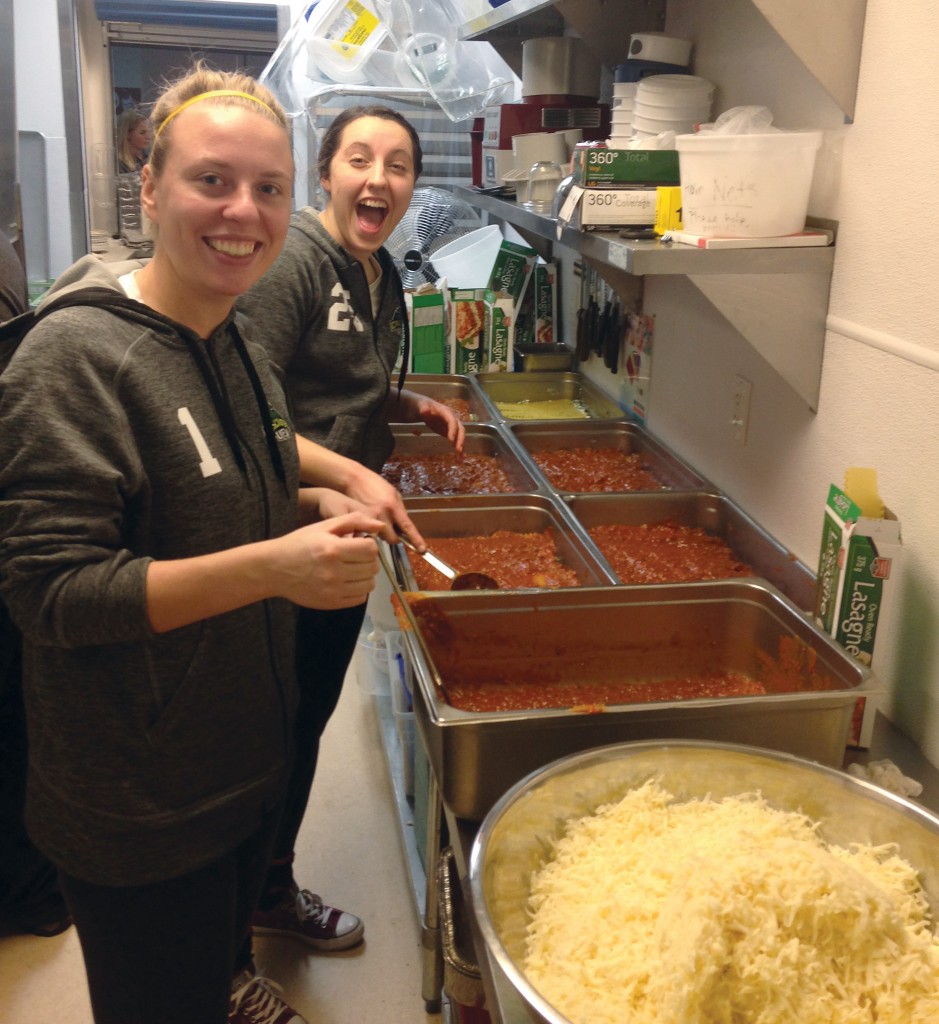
(535, 114)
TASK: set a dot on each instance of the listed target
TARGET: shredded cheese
(653, 911)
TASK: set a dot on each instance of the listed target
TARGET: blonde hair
(126, 123)
(228, 88)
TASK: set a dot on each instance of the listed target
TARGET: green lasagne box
(466, 323)
(512, 269)
(499, 332)
(858, 584)
(427, 316)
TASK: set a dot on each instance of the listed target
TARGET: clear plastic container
(341, 37)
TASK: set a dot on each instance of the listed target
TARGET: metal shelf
(777, 299)
(826, 37)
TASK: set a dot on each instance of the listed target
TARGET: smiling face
(222, 206)
(370, 184)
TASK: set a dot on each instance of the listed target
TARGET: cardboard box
(512, 269)
(536, 316)
(545, 281)
(604, 208)
(427, 316)
(466, 323)
(498, 332)
(613, 168)
(858, 584)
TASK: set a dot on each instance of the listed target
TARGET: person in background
(133, 141)
(331, 315)
(30, 899)
(152, 554)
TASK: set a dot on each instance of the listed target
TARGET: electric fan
(434, 218)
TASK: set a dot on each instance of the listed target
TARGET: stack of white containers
(675, 103)
(621, 112)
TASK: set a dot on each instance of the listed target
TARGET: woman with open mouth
(331, 314)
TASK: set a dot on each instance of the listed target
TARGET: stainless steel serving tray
(624, 435)
(547, 385)
(715, 513)
(630, 634)
(482, 515)
(481, 439)
(441, 386)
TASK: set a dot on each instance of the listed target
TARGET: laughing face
(370, 184)
(222, 205)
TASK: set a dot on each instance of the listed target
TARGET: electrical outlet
(740, 410)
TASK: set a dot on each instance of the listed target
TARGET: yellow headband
(204, 96)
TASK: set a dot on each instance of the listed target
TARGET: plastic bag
(402, 48)
(742, 121)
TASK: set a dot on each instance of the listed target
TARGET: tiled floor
(350, 852)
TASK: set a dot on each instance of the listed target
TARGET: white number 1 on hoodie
(208, 464)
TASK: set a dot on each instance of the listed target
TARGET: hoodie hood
(90, 282)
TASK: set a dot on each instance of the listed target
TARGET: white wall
(879, 403)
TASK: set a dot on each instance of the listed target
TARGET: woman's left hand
(442, 420)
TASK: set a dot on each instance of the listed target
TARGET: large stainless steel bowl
(520, 830)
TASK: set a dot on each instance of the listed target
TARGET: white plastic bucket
(467, 262)
(752, 186)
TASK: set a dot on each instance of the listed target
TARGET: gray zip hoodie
(150, 755)
(312, 311)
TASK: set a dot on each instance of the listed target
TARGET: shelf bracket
(782, 316)
(826, 37)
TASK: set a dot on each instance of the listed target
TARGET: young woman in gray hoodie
(331, 314)
(151, 555)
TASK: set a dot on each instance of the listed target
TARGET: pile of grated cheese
(655, 911)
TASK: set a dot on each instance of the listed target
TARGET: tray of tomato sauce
(507, 681)
(604, 458)
(521, 541)
(455, 390)
(424, 464)
(683, 537)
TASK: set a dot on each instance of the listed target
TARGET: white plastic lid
(674, 83)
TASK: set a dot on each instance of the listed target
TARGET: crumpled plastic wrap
(888, 776)
(747, 120)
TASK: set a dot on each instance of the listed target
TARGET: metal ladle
(458, 580)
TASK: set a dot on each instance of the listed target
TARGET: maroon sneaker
(303, 915)
(254, 1000)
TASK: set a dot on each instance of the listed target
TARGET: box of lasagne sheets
(466, 324)
(858, 585)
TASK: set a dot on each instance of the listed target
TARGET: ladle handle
(438, 563)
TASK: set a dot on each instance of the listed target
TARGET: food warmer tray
(480, 515)
(715, 513)
(546, 385)
(443, 386)
(630, 438)
(481, 439)
(630, 634)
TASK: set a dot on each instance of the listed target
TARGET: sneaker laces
(308, 905)
(258, 1000)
